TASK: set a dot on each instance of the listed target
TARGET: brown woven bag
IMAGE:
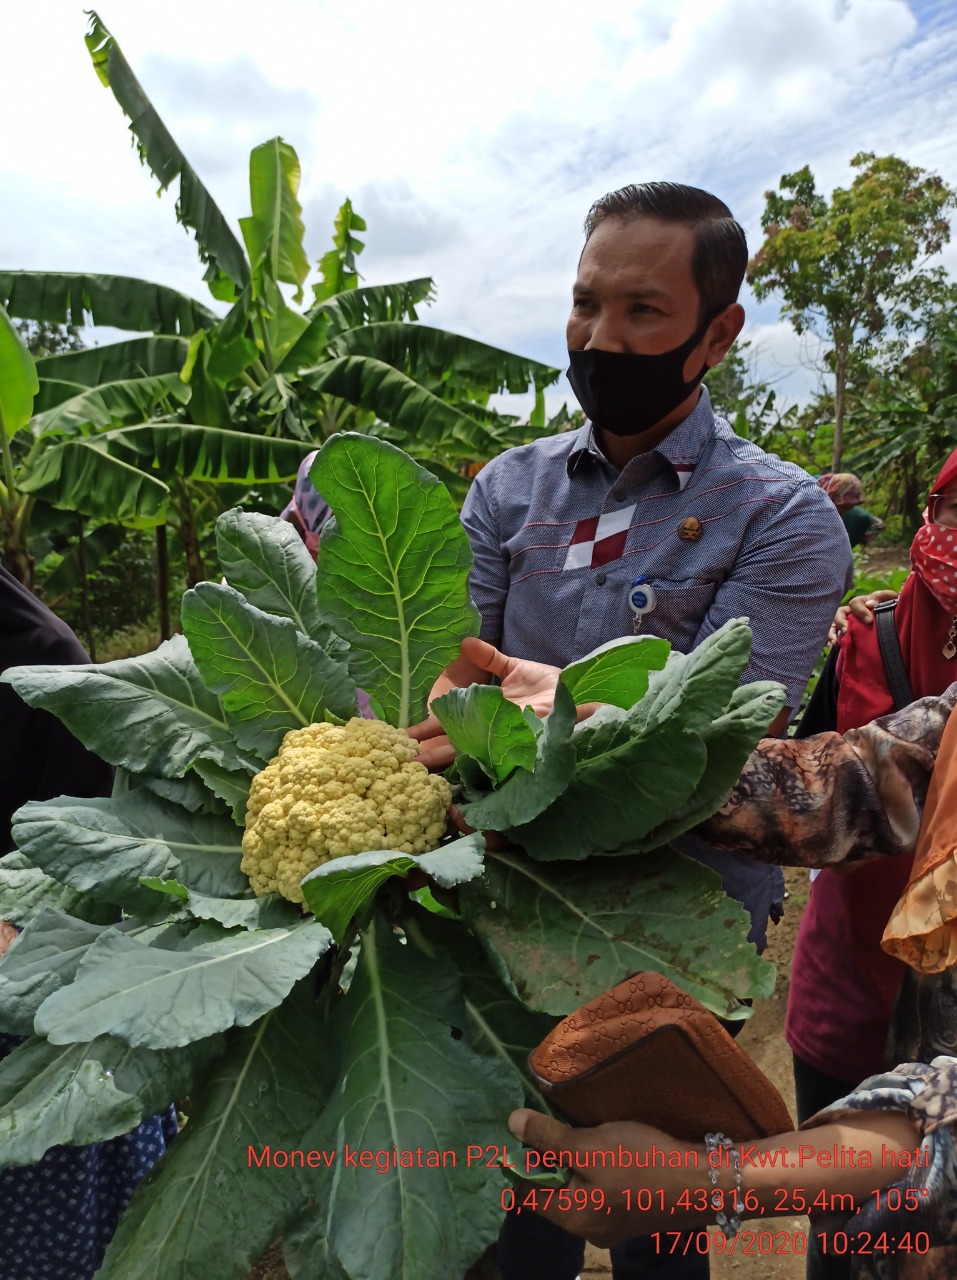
(647, 1051)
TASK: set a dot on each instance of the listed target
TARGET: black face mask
(624, 393)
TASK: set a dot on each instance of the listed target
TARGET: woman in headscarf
(843, 986)
(847, 493)
(307, 511)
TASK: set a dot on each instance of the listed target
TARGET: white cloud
(473, 136)
(789, 362)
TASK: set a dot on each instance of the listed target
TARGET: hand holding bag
(649, 1052)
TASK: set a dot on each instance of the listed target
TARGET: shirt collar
(583, 442)
(682, 447)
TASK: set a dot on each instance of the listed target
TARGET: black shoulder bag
(898, 680)
(820, 715)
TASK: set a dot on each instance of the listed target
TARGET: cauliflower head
(334, 790)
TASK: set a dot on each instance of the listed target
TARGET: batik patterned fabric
(839, 798)
(927, 1095)
(842, 487)
(836, 798)
(57, 1216)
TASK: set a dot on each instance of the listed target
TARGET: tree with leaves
(153, 429)
(748, 403)
(903, 411)
(856, 267)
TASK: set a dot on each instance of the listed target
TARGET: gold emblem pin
(690, 529)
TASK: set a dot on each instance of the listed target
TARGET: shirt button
(619, 495)
(600, 579)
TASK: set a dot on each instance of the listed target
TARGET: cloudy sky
(472, 136)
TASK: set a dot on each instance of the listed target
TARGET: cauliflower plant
(334, 790)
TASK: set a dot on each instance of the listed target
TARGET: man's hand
(612, 1216)
(530, 684)
(860, 607)
(680, 1196)
(8, 934)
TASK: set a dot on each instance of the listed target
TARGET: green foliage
(904, 419)
(867, 581)
(269, 564)
(338, 266)
(120, 576)
(268, 674)
(524, 793)
(488, 731)
(566, 936)
(260, 355)
(397, 1024)
(340, 889)
(122, 302)
(106, 847)
(94, 1087)
(394, 568)
(195, 208)
(46, 341)
(18, 381)
(149, 715)
(748, 403)
(274, 230)
(433, 970)
(207, 1208)
(142, 431)
(212, 977)
(617, 672)
(851, 268)
(643, 769)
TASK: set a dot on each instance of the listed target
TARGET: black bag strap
(898, 680)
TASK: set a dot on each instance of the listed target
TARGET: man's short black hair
(720, 254)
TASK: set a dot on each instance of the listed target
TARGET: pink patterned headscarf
(307, 509)
(842, 487)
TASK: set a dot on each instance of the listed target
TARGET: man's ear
(724, 329)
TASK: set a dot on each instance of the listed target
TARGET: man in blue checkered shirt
(655, 517)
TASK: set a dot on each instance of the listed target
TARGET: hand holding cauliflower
(335, 790)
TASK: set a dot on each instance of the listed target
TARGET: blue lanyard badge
(641, 600)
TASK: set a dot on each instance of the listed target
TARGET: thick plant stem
(8, 473)
(189, 535)
(85, 592)
(330, 987)
(162, 582)
(840, 383)
(264, 334)
(15, 556)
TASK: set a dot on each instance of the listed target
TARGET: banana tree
(356, 358)
(102, 452)
(903, 422)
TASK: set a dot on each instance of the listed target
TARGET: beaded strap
(728, 1222)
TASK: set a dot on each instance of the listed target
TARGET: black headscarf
(39, 757)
